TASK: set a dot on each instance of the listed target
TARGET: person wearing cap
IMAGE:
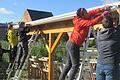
(108, 45)
(2, 51)
(13, 41)
(82, 21)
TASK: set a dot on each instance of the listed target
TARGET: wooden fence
(38, 69)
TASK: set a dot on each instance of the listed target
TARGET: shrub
(5, 45)
(60, 53)
(39, 50)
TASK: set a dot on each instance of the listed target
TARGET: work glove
(105, 13)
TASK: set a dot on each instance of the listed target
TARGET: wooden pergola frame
(52, 25)
(51, 29)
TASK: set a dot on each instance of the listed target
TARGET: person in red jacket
(81, 22)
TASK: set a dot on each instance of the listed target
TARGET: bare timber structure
(56, 24)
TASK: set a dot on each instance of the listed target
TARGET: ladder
(85, 56)
(80, 75)
(10, 70)
(31, 43)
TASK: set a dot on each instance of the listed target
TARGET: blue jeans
(73, 61)
(107, 72)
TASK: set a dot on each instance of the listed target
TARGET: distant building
(32, 15)
(29, 15)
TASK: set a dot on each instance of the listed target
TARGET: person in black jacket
(108, 45)
(23, 44)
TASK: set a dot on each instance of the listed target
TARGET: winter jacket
(12, 38)
(81, 26)
(108, 45)
(23, 34)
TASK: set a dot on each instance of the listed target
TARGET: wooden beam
(56, 42)
(62, 26)
(69, 29)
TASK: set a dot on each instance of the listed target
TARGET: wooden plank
(63, 26)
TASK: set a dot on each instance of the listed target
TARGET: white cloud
(5, 11)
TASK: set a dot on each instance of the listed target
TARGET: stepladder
(31, 43)
(86, 61)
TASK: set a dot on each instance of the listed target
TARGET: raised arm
(95, 11)
(98, 10)
(86, 22)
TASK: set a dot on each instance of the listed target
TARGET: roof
(35, 15)
(63, 17)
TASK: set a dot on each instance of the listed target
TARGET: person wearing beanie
(82, 21)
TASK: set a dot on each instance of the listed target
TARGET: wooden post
(50, 61)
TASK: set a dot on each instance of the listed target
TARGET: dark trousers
(73, 61)
(12, 54)
(23, 49)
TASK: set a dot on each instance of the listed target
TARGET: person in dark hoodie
(81, 22)
(108, 45)
(23, 44)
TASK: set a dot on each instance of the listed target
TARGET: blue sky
(12, 10)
